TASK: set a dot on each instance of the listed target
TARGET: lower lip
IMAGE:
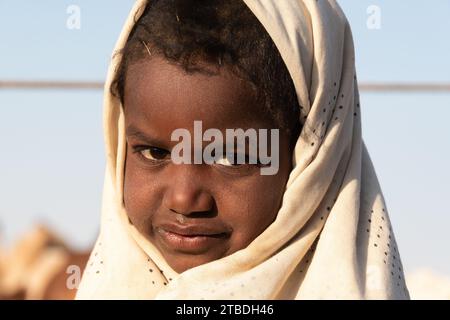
(189, 243)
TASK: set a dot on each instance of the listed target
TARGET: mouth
(193, 239)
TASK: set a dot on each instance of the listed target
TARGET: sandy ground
(427, 284)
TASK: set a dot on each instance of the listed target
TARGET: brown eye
(233, 160)
(153, 153)
(227, 161)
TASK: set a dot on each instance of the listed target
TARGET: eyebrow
(133, 131)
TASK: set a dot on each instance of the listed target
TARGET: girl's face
(194, 213)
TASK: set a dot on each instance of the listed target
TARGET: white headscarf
(331, 238)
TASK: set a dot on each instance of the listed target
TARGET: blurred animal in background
(36, 267)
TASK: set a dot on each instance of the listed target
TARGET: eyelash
(246, 161)
(138, 149)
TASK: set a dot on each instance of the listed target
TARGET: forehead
(164, 95)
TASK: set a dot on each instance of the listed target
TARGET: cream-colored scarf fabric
(332, 237)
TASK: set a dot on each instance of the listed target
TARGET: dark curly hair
(221, 33)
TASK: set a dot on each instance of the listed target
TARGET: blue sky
(52, 161)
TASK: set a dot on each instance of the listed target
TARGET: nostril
(192, 202)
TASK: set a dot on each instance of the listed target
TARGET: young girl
(316, 228)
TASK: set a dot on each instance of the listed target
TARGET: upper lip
(193, 230)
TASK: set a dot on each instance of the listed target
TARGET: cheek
(140, 195)
(252, 208)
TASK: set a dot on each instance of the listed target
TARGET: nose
(186, 193)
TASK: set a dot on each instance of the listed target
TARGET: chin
(183, 262)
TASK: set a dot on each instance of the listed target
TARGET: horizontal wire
(98, 85)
